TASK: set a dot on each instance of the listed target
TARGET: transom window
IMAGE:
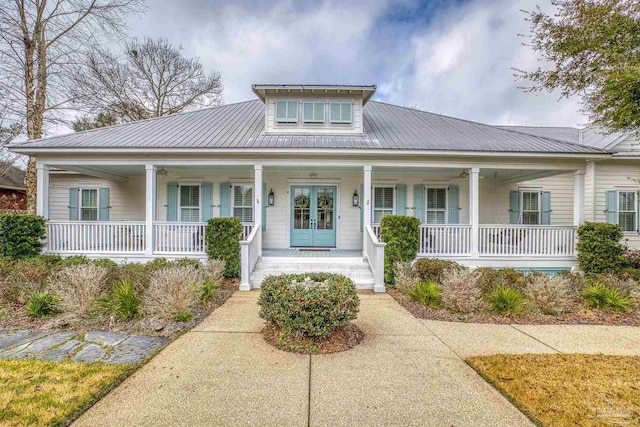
(189, 203)
(340, 111)
(627, 213)
(436, 205)
(530, 207)
(383, 203)
(89, 204)
(287, 111)
(313, 111)
(243, 202)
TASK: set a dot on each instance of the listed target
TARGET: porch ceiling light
(162, 172)
(356, 199)
(271, 198)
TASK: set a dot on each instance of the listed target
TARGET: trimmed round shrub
(431, 269)
(21, 235)
(311, 305)
(599, 248)
(401, 235)
(223, 243)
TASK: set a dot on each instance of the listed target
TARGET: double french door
(313, 216)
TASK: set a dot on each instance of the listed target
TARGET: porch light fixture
(271, 199)
(162, 172)
(356, 199)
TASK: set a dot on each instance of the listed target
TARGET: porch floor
(315, 253)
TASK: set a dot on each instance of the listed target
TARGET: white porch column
(365, 203)
(474, 210)
(42, 197)
(257, 204)
(150, 207)
(578, 198)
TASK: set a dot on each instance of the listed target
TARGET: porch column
(474, 210)
(42, 196)
(365, 203)
(150, 208)
(578, 198)
(257, 204)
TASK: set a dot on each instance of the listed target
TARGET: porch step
(355, 268)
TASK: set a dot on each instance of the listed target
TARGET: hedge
(401, 234)
(223, 237)
(21, 235)
(600, 248)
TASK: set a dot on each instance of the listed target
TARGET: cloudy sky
(447, 56)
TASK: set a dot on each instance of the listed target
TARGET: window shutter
(172, 201)
(401, 199)
(264, 200)
(73, 203)
(454, 204)
(206, 201)
(318, 109)
(345, 115)
(103, 209)
(292, 111)
(225, 199)
(362, 208)
(546, 208)
(307, 111)
(418, 202)
(334, 112)
(514, 207)
(281, 111)
(612, 207)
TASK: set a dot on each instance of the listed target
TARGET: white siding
(630, 143)
(589, 188)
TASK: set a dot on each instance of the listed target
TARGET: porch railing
(375, 255)
(554, 240)
(249, 253)
(445, 240)
(95, 237)
(188, 237)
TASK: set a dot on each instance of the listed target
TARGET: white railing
(376, 230)
(249, 254)
(175, 237)
(246, 230)
(90, 237)
(555, 240)
(445, 240)
(374, 251)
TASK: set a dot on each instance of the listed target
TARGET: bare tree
(151, 79)
(41, 43)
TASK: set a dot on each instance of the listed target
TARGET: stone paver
(105, 338)
(90, 353)
(58, 354)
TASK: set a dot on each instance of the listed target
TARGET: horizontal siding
(630, 143)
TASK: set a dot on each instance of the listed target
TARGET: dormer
(313, 109)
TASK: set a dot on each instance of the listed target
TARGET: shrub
(599, 248)
(21, 235)
(171, 290)
(20, 279)
(49, 260)
(214, 269)
(627, 287)
(401, 235)
(187, 262)
(106, 263)
(506, 300)
(430, 269)
(157, 264)
(74, 260)
(405, 278)
(78, 286)
(460, 291)
(550, 295)
(427, 293)
(136, 272)
(631, 257)
(182, 316)
(123, 301)
(603, 297)
(208, 290)
(511, 278)
(223, 243)
(575, 282)
(42, 304)
(308, 305)
(630, 273)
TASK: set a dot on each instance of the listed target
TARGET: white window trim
(635, 207)
(373, 205)
(233, 204)
(80, 207)
(313, 102)
(189, 184)
(340, 122)
(521, 202)
(287, 120)
(446, 203)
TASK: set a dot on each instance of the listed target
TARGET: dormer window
(313, 111)
(340, 111)
(287, 111)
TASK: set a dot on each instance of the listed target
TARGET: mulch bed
(15, 317)
(576, 315)
(341, 339)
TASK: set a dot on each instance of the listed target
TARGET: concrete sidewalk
(407, 371)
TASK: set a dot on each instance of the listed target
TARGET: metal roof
(241, 125)
(595, 137)
(11, 177)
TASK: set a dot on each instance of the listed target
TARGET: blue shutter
(103, 211)
(172, 201)
(264, 206)
(418, 202)
(612, 207)
(514, 207)
(546, 208)
(206, 201)
(401, 199)
(454, 204)
(362, 208)
(73, 203)
(225, 199)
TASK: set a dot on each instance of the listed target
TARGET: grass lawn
(567, 389)
(51, 394)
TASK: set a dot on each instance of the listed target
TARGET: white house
(308, 168)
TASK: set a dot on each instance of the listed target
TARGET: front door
(313, 216)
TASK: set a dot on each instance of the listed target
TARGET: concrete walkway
(406, 372)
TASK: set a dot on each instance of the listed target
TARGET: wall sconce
(271, 198)
(356, 199)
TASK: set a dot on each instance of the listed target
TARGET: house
(318, 166)
(13, 193)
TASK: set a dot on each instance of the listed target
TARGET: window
(313, 111)
(243, 202)
(530, 207)
(89, 204)
(383, 203)
(287, 111)
(189, 203)
(436, 205)
(627, 210)
(340, 111)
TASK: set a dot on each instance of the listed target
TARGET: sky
(449, 57)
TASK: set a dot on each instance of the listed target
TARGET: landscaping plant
(506, 300)
(20, 279)
(603, 297)
(599, 248)
(124, 301)
(182, 316)
(78, 286)
(427, 293)
(405, 278)
(460, 291)
(431, 269)
(171, 290)
(223, 237)
(550, 295)
(401, 234)
(42, 304)
(21, 235)
(208, 290)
